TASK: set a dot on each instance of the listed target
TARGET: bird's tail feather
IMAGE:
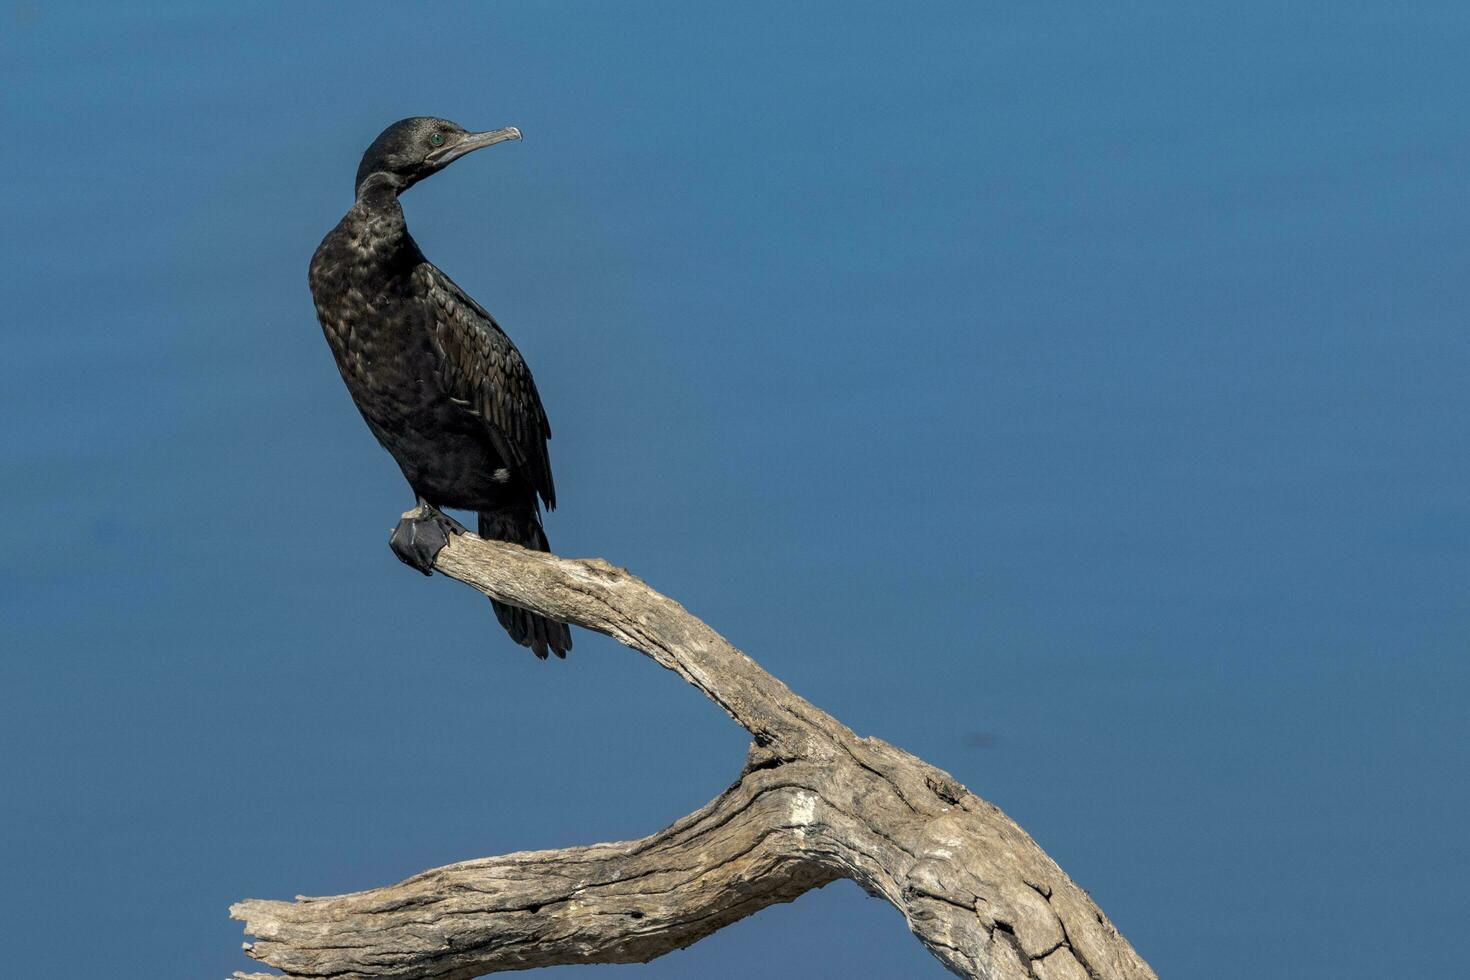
(526, 628)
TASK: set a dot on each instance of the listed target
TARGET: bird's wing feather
(483, 368)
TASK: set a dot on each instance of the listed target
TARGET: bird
(438, 382)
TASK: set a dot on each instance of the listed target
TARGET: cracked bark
(814, 803)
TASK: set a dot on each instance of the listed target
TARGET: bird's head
(414, 148)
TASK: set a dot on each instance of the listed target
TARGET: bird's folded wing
(483, 369)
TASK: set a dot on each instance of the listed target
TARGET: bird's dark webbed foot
(421, 535)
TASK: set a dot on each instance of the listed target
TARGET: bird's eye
(437, 139)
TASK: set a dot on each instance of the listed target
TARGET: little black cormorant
(438, 382)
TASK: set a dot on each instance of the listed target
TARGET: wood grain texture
(814, 803)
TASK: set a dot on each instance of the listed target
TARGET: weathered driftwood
(814, 803)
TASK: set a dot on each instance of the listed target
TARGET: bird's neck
(379, 192)
(381, 226)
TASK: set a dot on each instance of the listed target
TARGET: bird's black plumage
(439, 383)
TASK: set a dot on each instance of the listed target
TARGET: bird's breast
(379, 335)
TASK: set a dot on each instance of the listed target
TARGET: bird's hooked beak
(470, 143)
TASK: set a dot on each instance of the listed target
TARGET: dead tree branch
(814, 803)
